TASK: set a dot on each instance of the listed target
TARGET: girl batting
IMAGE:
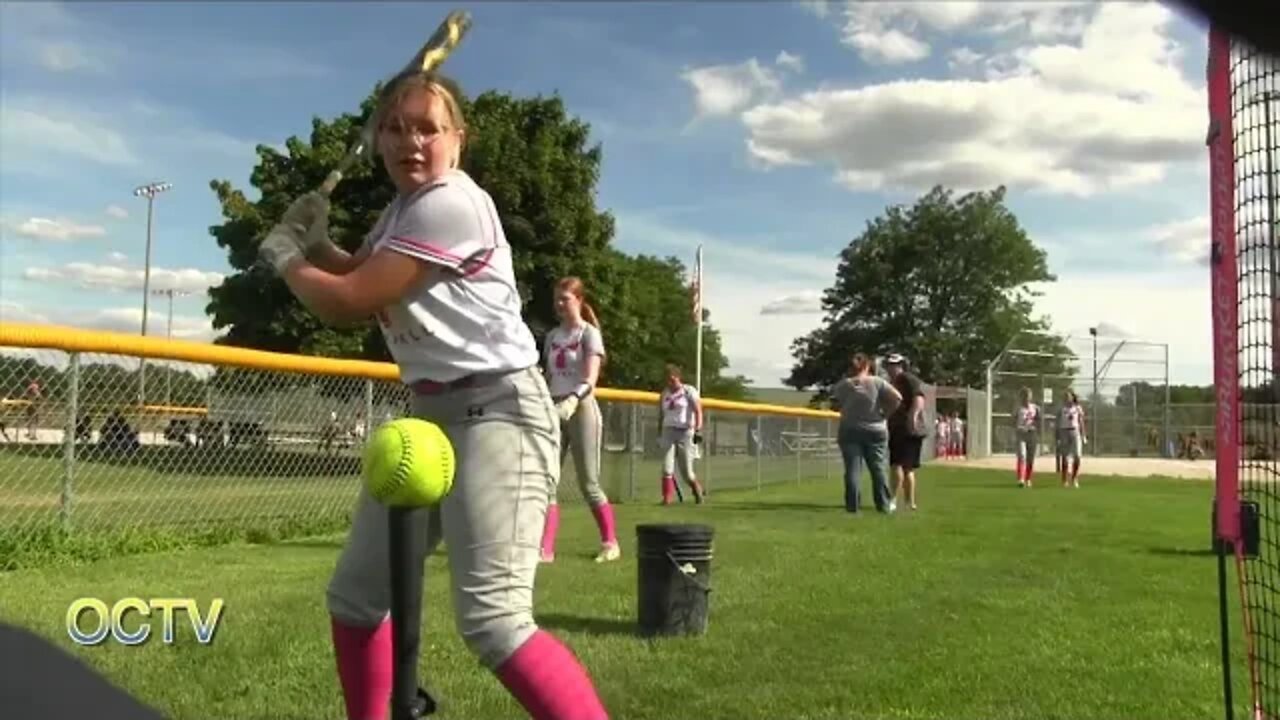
(1070, 437)
(1026, 420)
(573, 353)
(681, 409)
(436, 272)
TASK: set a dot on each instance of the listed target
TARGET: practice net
(1244, 107)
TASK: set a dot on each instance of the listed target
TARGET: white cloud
(963, 57)
(64, 57)
(820, 8)
(18, 313)
(1110, 113)
(117, 212)
(882, 46)
(786, 60)
(129, 319)
(41, 132)
(74, 134)
(39, 228)
(114, 277)
(1139, 307)
(726, 89)
(805, 303)
(894, 32)
(1185, 240)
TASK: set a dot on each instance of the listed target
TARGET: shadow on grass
(1182, 552)
(587, 625)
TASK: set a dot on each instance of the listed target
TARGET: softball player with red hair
(436, 271)
(573, 354)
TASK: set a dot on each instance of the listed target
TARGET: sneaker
(1075, 483)
(609, 553)
(547, 558)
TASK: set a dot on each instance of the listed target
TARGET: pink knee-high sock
(550, 529)
(364, 668)
(668, 488)
(549, 682)
(604, 520)
(1021, 471)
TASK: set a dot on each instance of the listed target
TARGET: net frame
(1244, 106)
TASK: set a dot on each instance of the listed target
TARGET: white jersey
(957, 427)
(678, 406)
(1027, 417)
(566, 354)
(943, 428)
(465, 318)
(1069, 417)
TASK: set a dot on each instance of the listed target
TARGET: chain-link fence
(1122, 383)
(87, 445)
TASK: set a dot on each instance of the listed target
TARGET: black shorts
(904, 450)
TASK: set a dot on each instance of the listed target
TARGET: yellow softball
(409, 463)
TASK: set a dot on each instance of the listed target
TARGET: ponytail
(589, 314)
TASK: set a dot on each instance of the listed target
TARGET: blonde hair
(447, 90)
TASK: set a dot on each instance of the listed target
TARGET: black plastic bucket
(673, 565)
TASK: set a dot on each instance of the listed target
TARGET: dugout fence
(229, 438)
(1243, 142)
(1122, 383)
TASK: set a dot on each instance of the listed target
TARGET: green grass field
(989, 602)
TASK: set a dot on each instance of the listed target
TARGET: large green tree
(538, 164)
(943, 281)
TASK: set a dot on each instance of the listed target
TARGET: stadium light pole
(168, 377)
(148, 191)
(1093, 410)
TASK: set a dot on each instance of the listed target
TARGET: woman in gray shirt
(865, 400)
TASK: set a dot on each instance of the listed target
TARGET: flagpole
(698, 318)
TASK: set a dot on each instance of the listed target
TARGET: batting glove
(311, 211)
(279, 249)
(567, 407)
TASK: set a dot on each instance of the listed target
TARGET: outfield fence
(105, 431)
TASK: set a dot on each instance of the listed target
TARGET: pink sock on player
(1021, 477)
(604, 520)
(549, 682)
(668, 488)
(364, 668)
(550, 529)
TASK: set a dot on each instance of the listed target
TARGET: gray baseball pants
(506, 438)
(583, 437)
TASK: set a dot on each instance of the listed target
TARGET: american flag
(697, 287)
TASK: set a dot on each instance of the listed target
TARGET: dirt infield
(1119, 466)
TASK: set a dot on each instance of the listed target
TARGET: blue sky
(769, 132)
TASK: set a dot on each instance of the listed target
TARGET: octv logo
(90, 621)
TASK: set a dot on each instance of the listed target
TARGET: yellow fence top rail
(69, 339)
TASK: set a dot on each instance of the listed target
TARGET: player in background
(681, 408)
(906, 429)
(573, 353)
(942, 437)
(1071, 437)
(436, 271)
(1026, 427)
(957, 435)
